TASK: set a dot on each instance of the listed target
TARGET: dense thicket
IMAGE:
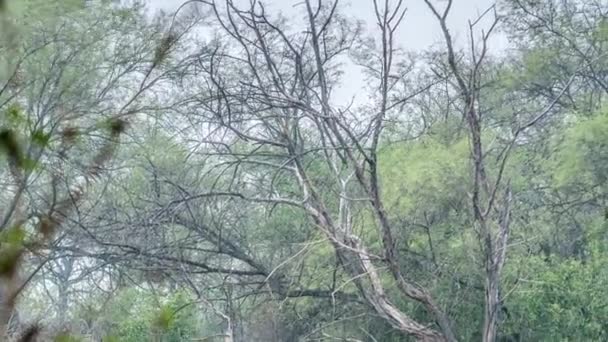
(196, 176)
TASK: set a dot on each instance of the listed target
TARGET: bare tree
(279, 107)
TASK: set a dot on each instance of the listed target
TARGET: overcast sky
(418, 31)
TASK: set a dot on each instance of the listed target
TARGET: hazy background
(418, 31)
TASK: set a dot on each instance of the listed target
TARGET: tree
(463, 199)
(66, 103)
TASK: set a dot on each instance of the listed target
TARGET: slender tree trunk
(492, 306)
(496, 251)
(228, 333)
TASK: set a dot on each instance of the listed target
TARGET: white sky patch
(419, 30)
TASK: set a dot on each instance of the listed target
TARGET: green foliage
(14, 235)
(428, 171)
(40, 138)
(10, 145)
(557, 170)
(563, 300)
(164, 318)
(537, 64)
(11, 250)
(110, 338)
(14, 114)
(135, 315)
(164, 46)
(66, 337)
(582, 155)
(10, 256)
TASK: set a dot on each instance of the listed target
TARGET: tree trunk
(492, 307)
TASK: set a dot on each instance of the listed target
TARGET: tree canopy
(197, 176)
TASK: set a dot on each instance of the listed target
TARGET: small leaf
(47, 226)
(69, 135)
(13, 112)
(8, 143)
(162, 50)
(10, 257)
(29, 164)
(14, 235)
(11, 250)
(114, 125)
(164, 318)
(40, 138)
(117, 126)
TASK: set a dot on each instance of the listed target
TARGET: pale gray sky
(419, 29)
